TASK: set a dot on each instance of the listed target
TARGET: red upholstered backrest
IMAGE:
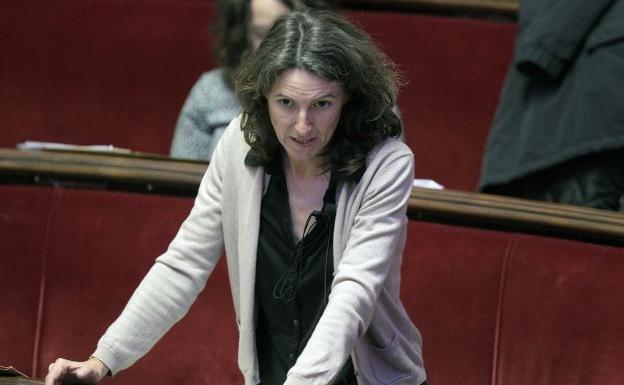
(450, 287)
(102, 244)
(71, 259)
(504, 309)
(24, 214)
(100, 72)
(562, 314)
(493, 307)
(453, 69)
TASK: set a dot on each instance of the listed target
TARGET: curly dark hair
(231, 32)
(327, 45)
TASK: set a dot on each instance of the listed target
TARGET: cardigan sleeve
(553, 32)
(174, 281)
(375, 240)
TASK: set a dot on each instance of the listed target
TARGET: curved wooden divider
(514, 214)
(135, 172)
(19, 381)
(147, 173)
(485, 7)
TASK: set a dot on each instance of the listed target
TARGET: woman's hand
(88, 372)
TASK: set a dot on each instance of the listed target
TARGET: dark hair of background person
(325, 44)
(231, 32)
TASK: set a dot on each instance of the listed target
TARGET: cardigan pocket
(388, 363)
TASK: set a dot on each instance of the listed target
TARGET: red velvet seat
(100, 72)
(505, 308)
(453, 69)
(493, 307)
(24, 223)
(71, 260)
(450, 287)
(102, 244)
(561, 314)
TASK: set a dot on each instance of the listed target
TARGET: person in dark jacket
(558, 133)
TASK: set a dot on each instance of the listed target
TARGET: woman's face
(263, 14)
(304, 109)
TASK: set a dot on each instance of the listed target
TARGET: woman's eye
(284, 102)
(323, 104)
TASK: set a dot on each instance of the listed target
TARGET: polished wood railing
(485, 7)
(130, 172)
(514, 214)
(163, 175)
(19, 381)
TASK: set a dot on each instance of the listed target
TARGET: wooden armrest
(179, 177)
(19, 381)
(493, 7)
(515, 214)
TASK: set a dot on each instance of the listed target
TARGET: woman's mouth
(303, 142)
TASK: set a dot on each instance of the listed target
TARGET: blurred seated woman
(307, 191)
(211, 104)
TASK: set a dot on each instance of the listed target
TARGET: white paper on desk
(428, 183)
(33, 145)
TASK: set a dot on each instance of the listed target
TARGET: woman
(211, 105)
(308, 191)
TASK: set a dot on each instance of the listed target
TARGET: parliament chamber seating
(74, 257)
(500, 299)
(494, 307)
(117, 72)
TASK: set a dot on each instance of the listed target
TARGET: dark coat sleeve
(554, 31)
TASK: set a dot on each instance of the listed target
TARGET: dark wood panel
(19, 381)
(507, 8)
(134, 172)
(514, 214)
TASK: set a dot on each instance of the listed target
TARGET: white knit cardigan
(364, 317)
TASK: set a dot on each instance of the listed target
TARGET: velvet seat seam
(499, 308)
(42, 280)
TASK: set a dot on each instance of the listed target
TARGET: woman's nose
(303, 125)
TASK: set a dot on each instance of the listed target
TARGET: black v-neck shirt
(290, 308)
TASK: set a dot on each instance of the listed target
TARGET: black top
(293, 279)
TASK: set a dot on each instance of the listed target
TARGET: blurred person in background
(558, 133)
(211, 104)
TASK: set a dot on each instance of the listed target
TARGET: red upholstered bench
(507, 308)
(450, 286)
(453, 70)
(100, 72)
(75, 257)
(494, 307)
(24, 216)
(560, 314)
